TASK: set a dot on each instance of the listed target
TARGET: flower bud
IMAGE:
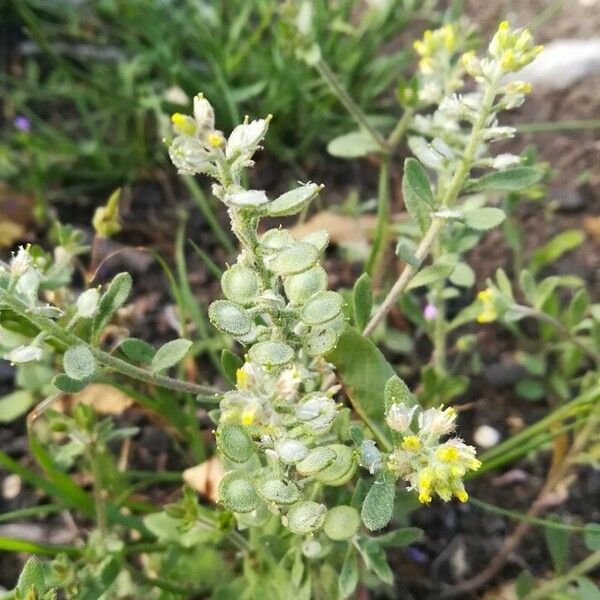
(399, 417)
(87, 303)
(370, 456)
(21, 261)
(24, 354)
(204, 113)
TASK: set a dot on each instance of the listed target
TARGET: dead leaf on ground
(16, 216)
(506, 591)
(592, 227)
(343, 229)
(104, 399)
(205, 478)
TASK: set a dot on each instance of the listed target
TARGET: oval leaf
(378, 506)
(79, 363)
(170, 354)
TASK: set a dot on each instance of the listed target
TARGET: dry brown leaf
(342, 228)
(104, 399)
(205, 478)
(592, 227)
(506, 591)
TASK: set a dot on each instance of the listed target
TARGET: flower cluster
(276, 305)
(429, 465)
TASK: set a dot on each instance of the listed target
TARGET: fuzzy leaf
(416, 192)
(378, 507)
(32, 576)
(348, 579)
(79, 363)
(396, 391)
(484, 218)
(352, 145)
(14, 405)
(115, 296)
(70, 386)
(362, 300)
(364, 386)
(294, 201)
(138, 351)
(430, 274)
(509, 180)
(170, 354)
(560, 244)
(230, 364)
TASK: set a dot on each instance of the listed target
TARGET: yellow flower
(462, 495)
(242, 379)
(488, 311)
(448, 453)
(184, 124)
(215, 139)
(411, 443)
(248, 416)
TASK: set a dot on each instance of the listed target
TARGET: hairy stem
(67, 339)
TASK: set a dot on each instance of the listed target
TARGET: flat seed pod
(290, 451)
(320, 342)
(278, 492)
(323, 307)
(299, 288)
(271, 353)
(256, 518)
(341, 469)
(319, 239)
(237, 493)
(316, 460)
(295, 259)
(240, 284)
(276, 239)
(235, 443)
(294, 201)
(305, 517)
(341, 523)
(229, 317)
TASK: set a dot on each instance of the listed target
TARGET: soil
(460, 539)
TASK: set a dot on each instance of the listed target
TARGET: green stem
(439, 323)
(400, 129)
(383, 218)
(547, 589)
(68, 340)
(98, 492)
(359, 116)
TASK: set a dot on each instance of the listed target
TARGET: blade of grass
(32, 511)
(16, 545)
(212, 266)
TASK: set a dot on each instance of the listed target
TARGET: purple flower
(416, 555)
(430, 312)
(22, 123)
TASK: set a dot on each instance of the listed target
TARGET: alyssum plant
(290, 449)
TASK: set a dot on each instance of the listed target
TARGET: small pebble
(486, 436)
(11, 486)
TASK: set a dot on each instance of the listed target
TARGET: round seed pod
(320, 342)
(237, 493)
(235, 443)
(229, 317)
(299, 288)
(240, 284)
(275, 239)
(321, 308)
(316, 460)
(305, 517)
(319, 239)
(294, 201)
(271, 353)
(295, 259)
(341, 523)
(256, 518)
(276, 491)
(290, 451)
(341, 470)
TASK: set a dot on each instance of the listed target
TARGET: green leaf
(416, 192)
(115, 296)
(524, 584)
(362, 300)
(14, 405)
(560, 244)
(353, 145)
(530, 389)
(170, 354)
(364, 386)
(484, 218)
(577, 307)
(431, 274)
(378, 507)
(509, 180)
(587, 589)
(406, 253)
(79, 363)
(557, 541)
(401, 537)
(230, 363)
(463, 275)
(591, 536)
(376, 560)
(138, 351)
(348, 579)
(32, 576)
(70, 386)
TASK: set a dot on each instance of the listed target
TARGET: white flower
(288, 382)
(425, 153)
(24, 354)
(189, 155)
(87, 303)
(21, 262)
(437, 421)
(28, 285)
(245, 138)
(247, 198)
(503, 161)
(370, 456)
(399, 417)
(498, 133)
(204, 113)
(318, 412)
(290, 451)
